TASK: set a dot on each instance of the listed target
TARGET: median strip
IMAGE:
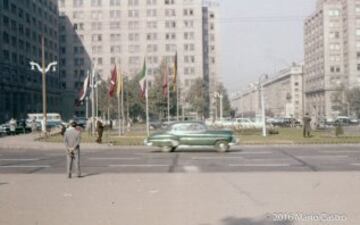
(26, 166)
(112, 158)
(138, 165)
(19, 159)
(260, 165)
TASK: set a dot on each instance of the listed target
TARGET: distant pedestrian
(12, 126)
(100, 130)
(306, 124)
(33, 125)
(72, 138)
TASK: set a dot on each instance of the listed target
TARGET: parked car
(155, 124)
(345, 121)
(3, 129)
(285, 122)
(80, 121)
(183, 134)
(243, 123)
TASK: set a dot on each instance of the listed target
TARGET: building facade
(282, 93)
(23, 23)
(102, 33)
(332, 56)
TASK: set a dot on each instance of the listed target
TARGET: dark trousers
(99, 139)
(306, 132)
(70, 158)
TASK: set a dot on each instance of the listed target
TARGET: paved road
(300, 158)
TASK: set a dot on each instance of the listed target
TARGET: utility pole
(87, 107)
(93, 101)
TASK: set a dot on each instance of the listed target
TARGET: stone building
(22, 25)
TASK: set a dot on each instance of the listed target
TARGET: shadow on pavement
(89, 175)
(198, 150)
(268, 220)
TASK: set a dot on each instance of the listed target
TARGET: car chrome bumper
(147, 143)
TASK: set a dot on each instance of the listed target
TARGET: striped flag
(113, 82)
(165, 73)
(83, 91)
(142, 80)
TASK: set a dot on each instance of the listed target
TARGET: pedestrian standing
(100, 130)
(72, 138)
(306, 124)
(12, 126)
(33, 125)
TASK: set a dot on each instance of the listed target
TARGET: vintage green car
(190, 134)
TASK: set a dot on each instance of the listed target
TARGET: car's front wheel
(166, 148)
(222, 146)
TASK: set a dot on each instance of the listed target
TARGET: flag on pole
(83, 91)
(175, 71)
(113, 82)
(165, 74)
(142, 80)
(120, 83)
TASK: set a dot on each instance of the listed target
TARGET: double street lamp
(44, 69)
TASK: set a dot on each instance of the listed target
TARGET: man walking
(306, 124)
(100, 130)
(72, 144)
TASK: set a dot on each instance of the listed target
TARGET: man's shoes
(69, 176)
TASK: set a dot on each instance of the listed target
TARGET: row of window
(97, 3)
(25, 30)
(20, 59)
(132, 25)
(25, 45)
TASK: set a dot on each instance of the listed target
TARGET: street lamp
(262, 77)
(220, 96)
(44, 69)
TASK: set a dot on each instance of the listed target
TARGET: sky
(260, 37)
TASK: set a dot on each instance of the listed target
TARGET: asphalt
(30, 157)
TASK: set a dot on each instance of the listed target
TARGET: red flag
(112, 87)
(165, 79)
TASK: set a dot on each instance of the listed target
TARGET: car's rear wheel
(222, 146)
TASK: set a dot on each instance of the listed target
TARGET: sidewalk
(181, 199)
(28, 142)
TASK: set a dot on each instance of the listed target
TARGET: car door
(190, 134)
(197, 135)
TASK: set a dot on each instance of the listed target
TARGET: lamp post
(43, 69)
(264, 76)
(220, 96)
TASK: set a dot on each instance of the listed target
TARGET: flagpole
(119, 122)
(147, 104)
(168, 91)
(122, 105)
(119, 104)
(93, 102)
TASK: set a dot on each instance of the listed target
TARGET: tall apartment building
(283, 94)
(332, 56)
(124, 32)
(22, 23)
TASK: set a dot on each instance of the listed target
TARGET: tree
(353, 97)
(228, 111)
(196, 98)
(158, 102)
